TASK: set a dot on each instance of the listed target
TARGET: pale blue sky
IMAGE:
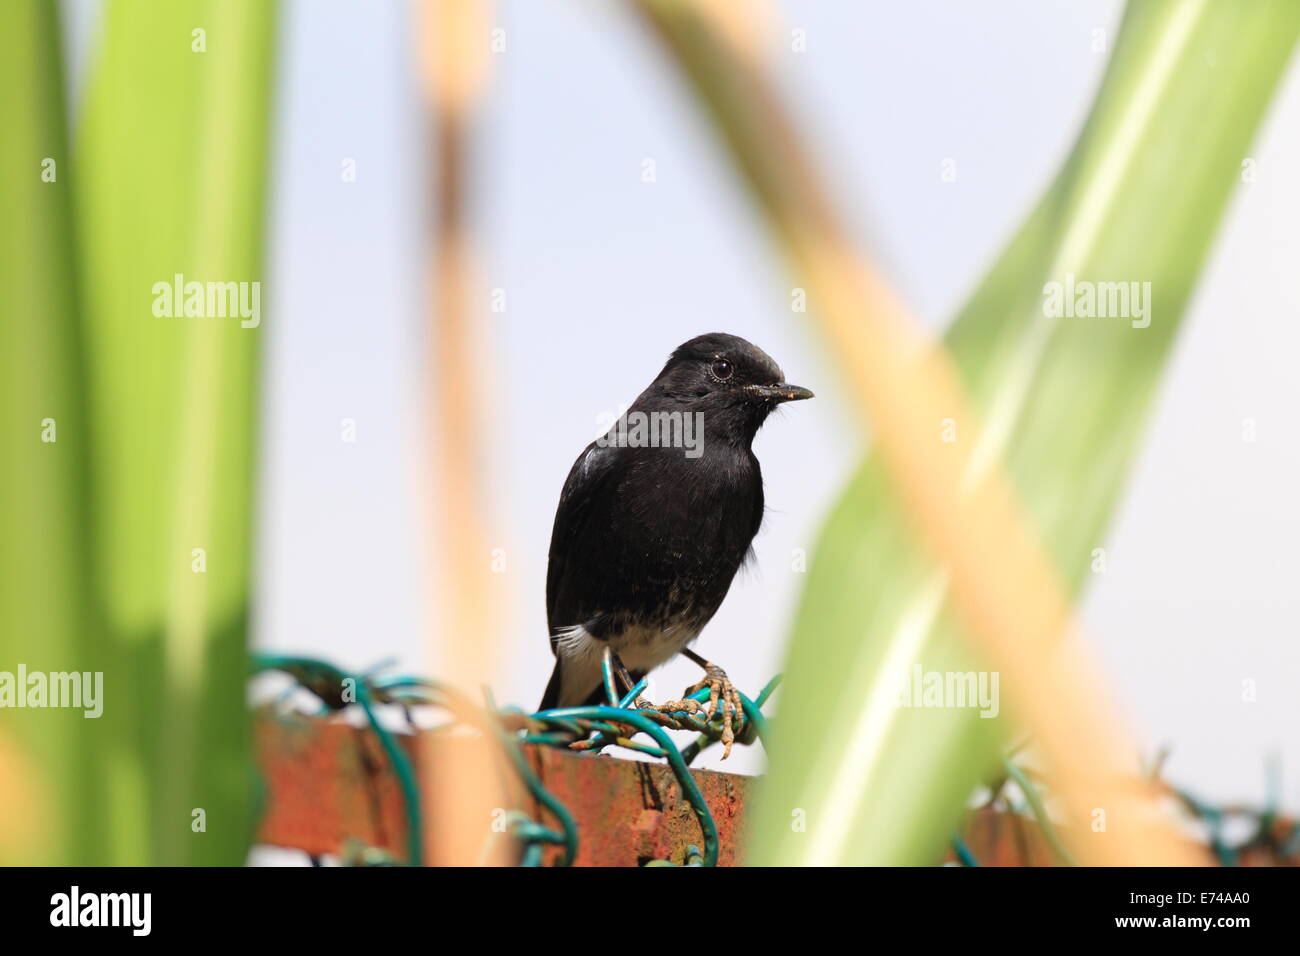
(605, 274)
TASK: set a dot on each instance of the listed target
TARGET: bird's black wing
(587, 494)
(756, 517)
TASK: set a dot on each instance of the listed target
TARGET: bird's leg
(659, 711)
(667, 707)
(621, 671)
(722, 694)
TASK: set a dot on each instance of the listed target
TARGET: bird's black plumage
(648, 538)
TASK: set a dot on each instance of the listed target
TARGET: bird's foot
(661, 713)
(722, 696)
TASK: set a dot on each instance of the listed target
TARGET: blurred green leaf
(1064, 401)
(171, 170)
(45, 607)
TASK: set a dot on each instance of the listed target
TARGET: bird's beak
(781, 392)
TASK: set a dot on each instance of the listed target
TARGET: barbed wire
(618, 723)
(590, 729)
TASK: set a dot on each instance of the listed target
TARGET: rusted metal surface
(999, 838)
(329, 788)
(630, 812)
(327, 784)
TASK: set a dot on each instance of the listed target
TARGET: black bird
(655, 519)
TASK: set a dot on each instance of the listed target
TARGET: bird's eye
(722, 370)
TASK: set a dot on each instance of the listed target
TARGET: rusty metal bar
(330, 789)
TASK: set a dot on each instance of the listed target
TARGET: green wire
(963, 852)
(680, 770)
(405, 777)
(1040, 813)
(322, 675)
(609, 723)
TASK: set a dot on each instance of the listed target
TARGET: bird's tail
(593, 698)
(551, 698)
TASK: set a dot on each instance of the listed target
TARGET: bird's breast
(683, 530)
(643, 647)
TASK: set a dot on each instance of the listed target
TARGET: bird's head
(727, 378)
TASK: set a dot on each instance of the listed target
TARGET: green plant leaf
(171, 166)
(1063, 400)
(45, 606)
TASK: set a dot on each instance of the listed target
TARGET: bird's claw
(660, 713)
(722, 696)
(724, 699)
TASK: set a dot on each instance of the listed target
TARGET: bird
(655, 518)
